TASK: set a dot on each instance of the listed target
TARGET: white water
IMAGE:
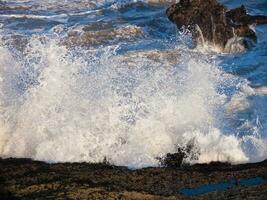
(84, 110)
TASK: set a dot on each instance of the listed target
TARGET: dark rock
(239, 16)
(27, 179)
(176, 160)
(173, 160)
(210, 21)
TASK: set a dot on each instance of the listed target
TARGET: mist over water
(95, 80)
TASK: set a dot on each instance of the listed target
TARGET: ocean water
(89, 80)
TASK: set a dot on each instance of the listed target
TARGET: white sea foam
(58, 105)
(59, 18)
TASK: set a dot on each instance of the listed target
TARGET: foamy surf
(82, 111)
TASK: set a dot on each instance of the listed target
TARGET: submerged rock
(104, 35)
(211, 22)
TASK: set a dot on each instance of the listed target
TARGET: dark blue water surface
(221, 186)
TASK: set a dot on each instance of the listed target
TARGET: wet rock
(105, 35)
(173, 160)
(239, 16)
(177, 160)
(211, 22)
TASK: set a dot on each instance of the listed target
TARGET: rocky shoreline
(28, 179)
(211, 22)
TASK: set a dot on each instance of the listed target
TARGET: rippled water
(89, 80)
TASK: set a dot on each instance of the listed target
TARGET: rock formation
(27, 179)
(211, 22)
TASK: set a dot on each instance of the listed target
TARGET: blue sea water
(88, 80)
(221, 186)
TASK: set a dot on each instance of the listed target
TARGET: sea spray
(79, 110)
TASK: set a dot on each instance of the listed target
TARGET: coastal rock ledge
(212, 23)
(28, 179)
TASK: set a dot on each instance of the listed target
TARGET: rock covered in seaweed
(211, 22)
(26, 179)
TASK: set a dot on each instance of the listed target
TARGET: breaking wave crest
(59, 104)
